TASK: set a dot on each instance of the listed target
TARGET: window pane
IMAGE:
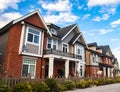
(65, 48)
(36, 39)
(25, 71)
(29, 61)
(54, 47)
(30, 37)
(33, 31)
(49, 43)
(32, 70)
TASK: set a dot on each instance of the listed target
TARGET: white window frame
(29, 67)
(79, 47)
(55, 32)
(52, 40)
(27, 31)
(67, 47)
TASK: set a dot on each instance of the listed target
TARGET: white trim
(36, 11)
(42, 41)
(21, 39)
(68, 33)
(67, 46)
(62, 57)
(77, 38)
(30, 54)
(82, 36)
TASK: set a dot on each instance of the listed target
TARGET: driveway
(105, 88)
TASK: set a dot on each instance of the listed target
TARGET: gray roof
(92, 44)
(63, 31)
(73, 39)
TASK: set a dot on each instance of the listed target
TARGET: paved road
(105, 88)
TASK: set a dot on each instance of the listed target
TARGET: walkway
(104, 88)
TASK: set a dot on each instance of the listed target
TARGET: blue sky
(99, 20)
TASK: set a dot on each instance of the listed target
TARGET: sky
(98, 20)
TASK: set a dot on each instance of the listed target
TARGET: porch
(60, 64)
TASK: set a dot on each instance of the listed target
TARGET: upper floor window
(53, 31)
(52, 43)
(49, 42)
(79, 51)
(33, 36)
(65, 48)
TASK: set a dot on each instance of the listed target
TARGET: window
(33, 36)
(81, 70)
(49, 43)
(53, 31)
(79, 51)
(28, 67)
(54, 44)
(65, 48)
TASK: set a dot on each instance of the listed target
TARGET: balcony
(61, 53)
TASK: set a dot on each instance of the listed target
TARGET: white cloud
(108, 10)
(4, 4)
(60, 5)
(92, 3)
(116, 52)
(59, 11)
(104, 17)
(104, 31)
(7, 17)
(61, 18)
(115, 23)
(86, 16)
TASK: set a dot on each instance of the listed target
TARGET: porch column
(51, 67)
(108, 72)
(66, 68)
(78, 69)
(111, 72)
(104, 71)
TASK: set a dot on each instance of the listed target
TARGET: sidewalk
(104, 88)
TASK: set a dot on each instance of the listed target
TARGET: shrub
(40, 87)
(109, 81)
(96, 82)
(118, 79)
(52, 84)
(101, 81)
(62, 87)
(2, 86)
(89, 82)
(81, 84)
(23, 87)
(69, 84)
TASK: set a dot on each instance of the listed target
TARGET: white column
(112, 72)
(66, 68)
(51, 67)
(108, 72)
(78, 68)
(104, 71)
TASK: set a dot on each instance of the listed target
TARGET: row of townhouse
(29, 46)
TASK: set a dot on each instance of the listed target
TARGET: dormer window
(53, 31)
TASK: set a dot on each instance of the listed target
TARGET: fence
(11, 81)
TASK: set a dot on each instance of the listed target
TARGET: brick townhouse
(30, 47)
(99, 61)
(21, 45)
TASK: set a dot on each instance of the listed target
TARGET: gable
(35, 20)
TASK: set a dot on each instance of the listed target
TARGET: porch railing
(61, 53)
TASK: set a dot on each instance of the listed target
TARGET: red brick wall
(13, 61)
